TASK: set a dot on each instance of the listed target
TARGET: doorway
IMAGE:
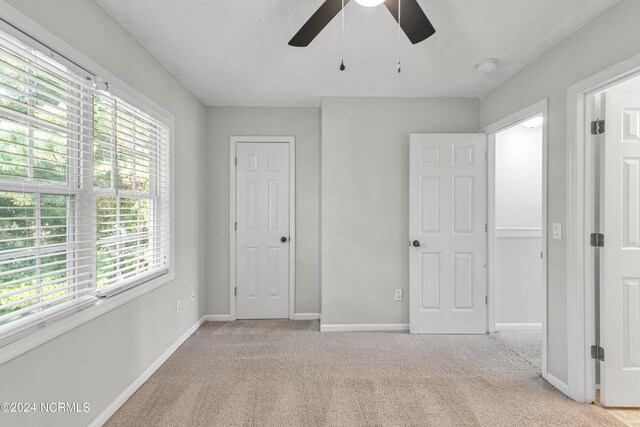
(517, 227)
(516, 236)
(262, 229)
(614, 264)
(612, 235)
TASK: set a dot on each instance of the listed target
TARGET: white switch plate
(178, 306)
(398, 295)
(557, 231)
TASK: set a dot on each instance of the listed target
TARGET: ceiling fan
(413, 20)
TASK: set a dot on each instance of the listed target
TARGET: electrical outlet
(398, 295)
(556, 231)
(193, 297)
(178, 306)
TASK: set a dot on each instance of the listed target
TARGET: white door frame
(539, 108)
(580, 283)
(234, 140)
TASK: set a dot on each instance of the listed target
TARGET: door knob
(416, 243)
(283, 239)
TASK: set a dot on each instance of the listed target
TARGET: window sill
(101, 307)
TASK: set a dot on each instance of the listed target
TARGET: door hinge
(597, 240)
(597, 127)
(597, 353)
(486, 300)
(486, 228)
(486, 155)
(235, 226)
(235, 161)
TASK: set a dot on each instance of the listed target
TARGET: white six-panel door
(620, 257)
(448, 211)
(262, 216)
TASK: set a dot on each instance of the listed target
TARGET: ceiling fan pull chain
(399, 26)
(342, 67)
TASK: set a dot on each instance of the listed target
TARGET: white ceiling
(235, 52)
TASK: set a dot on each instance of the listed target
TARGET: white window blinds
(45, 237)
(84, 190)
(131, 179)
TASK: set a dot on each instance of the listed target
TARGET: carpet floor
(286, 373)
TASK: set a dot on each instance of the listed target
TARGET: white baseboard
(135, 385)
(354, 327)
(306, 316)
(518, 326)
(557, 383)
(227, 317)
(217, 318)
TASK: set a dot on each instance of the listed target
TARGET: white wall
(518, 282)
(614, 36)
(365, 199)
(95, 362)
(518, 210)
(304, 124)
(519, 178)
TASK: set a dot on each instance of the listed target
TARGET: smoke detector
(487, 65)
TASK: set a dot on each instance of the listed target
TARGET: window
(84, 190)
(131, 154)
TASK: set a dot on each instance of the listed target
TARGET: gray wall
(614, 37)
(365, 199)
(97, 361)
(304, 124)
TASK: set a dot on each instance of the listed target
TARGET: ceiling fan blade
(414, 22)
(317, 22)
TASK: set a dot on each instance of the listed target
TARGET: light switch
(557, 231)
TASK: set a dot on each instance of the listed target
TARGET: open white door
(447, 228)
(620, 257)
(262, 230)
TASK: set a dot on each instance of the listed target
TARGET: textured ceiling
(235, 52)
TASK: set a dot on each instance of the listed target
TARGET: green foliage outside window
(40, 119)
(33, 118)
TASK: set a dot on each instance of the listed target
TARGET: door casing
(581, 314)
(234, 140)
(539, 108)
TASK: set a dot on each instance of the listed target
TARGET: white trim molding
(361, 327)
(217, 318)
(557, 383)
(306, 316)
(233, 141)
(580, 286)
(518, 326)
(519, 233)
(227, 317)
(135, 385)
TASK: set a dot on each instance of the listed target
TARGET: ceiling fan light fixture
(369, 3)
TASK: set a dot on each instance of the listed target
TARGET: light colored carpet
(285, 373)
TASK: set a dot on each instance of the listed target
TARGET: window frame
(25, 29)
